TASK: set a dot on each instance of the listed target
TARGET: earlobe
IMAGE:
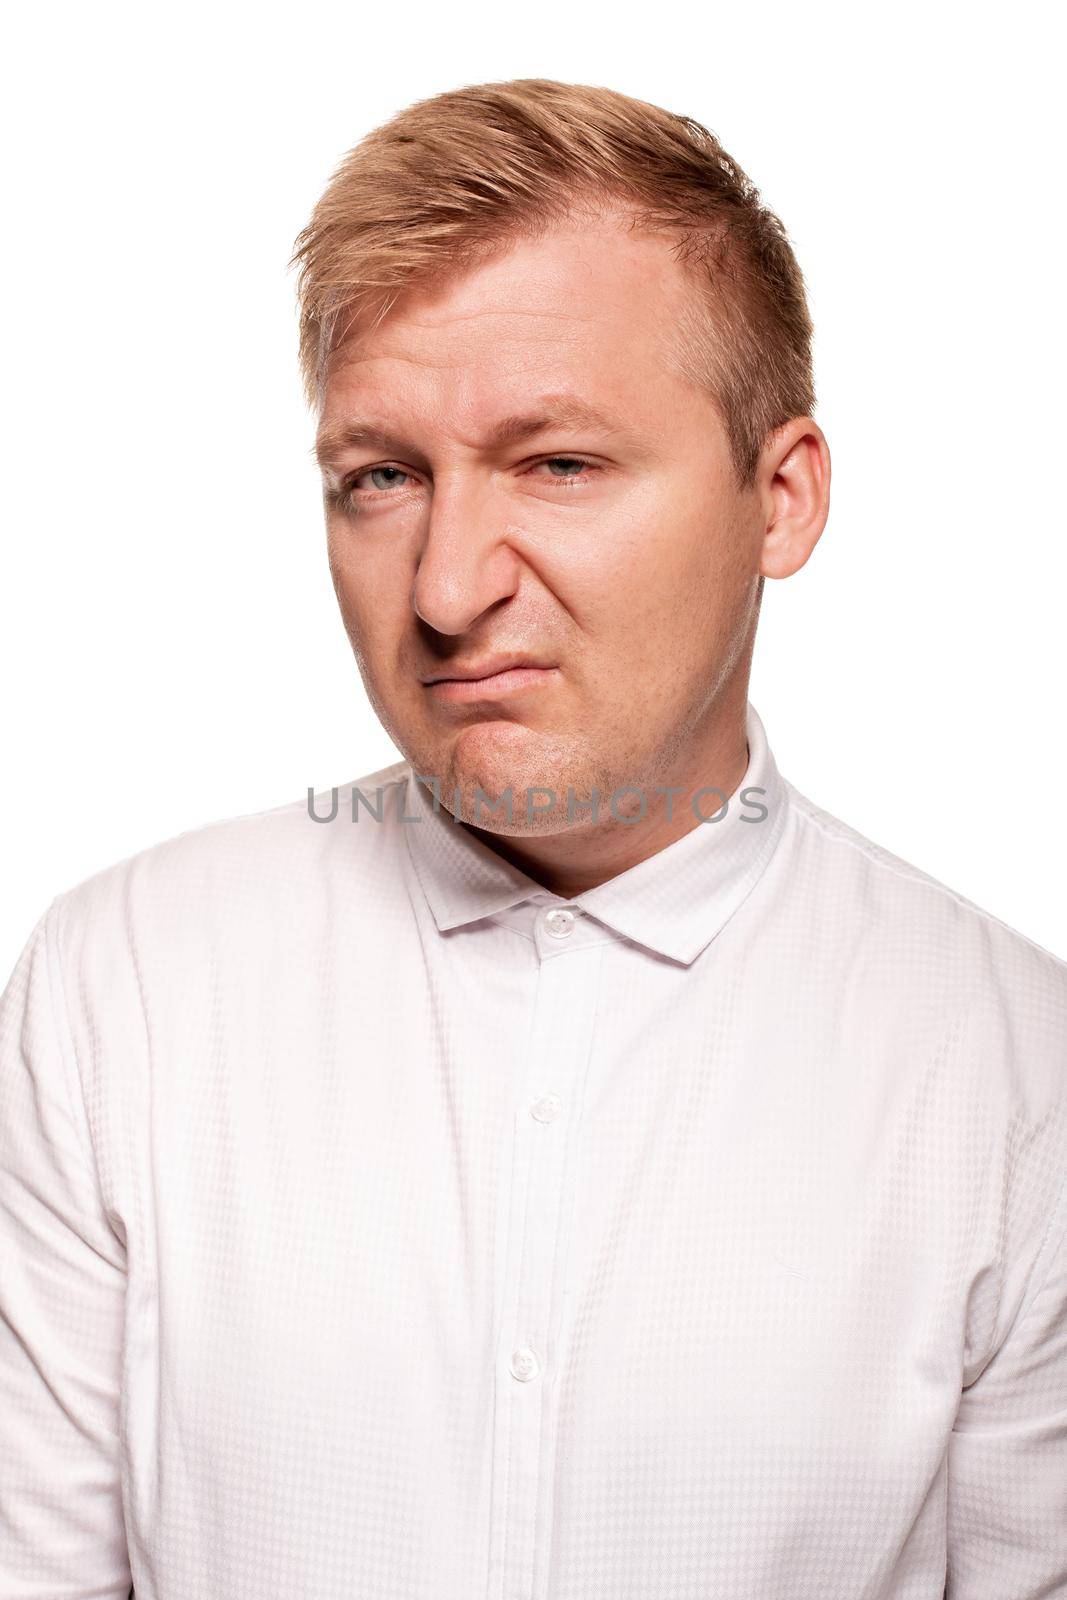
(796, 474)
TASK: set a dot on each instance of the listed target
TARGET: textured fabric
(374, 1223)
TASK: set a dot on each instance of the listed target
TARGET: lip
(489, 666)
(507, 680)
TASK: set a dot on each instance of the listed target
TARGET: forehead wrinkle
(359, 345)
(490, 311)
(545, 412)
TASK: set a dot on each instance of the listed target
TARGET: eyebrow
(552, 411)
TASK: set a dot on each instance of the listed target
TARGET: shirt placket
(549, 1091)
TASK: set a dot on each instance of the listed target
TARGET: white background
(171, 647)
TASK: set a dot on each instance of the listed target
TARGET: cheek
(656, 560)
(613, 563)
(372, 592)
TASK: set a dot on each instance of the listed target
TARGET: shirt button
(548, 1108)
(524, 1364)
(559, 923)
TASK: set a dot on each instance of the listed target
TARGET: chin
(494, 758)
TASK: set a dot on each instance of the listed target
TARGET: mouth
(493, 685)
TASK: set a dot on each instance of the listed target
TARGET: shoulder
(922, 945)
(284, 861)
(903, 896)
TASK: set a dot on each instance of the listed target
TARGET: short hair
(451, 178)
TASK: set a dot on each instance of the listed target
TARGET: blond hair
(450, 178)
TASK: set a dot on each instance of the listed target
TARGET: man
(568, 1162)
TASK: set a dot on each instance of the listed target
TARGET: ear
(793, 483)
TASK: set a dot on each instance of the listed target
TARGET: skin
(625, 559)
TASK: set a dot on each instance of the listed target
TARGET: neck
(592, 851)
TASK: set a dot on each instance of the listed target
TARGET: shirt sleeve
(1007, 1474)
(62, 1286)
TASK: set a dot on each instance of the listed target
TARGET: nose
(466, 564)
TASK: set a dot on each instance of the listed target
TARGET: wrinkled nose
(466, 565)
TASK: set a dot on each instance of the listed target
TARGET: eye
(575, 468)
(355, 493)
(383, 482)
(381, 477)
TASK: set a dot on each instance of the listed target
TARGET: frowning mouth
(493, 685)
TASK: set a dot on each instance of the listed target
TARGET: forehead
(589, 308)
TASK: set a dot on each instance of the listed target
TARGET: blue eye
(381, 472)
(563, 469)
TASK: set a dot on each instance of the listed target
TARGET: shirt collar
(673, 903)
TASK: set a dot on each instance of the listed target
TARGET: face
(544, 564)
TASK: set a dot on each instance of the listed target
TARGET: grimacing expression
(600, 537)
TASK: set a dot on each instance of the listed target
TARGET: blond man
(567, 1164)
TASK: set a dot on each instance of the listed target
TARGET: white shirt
(375, 1225)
